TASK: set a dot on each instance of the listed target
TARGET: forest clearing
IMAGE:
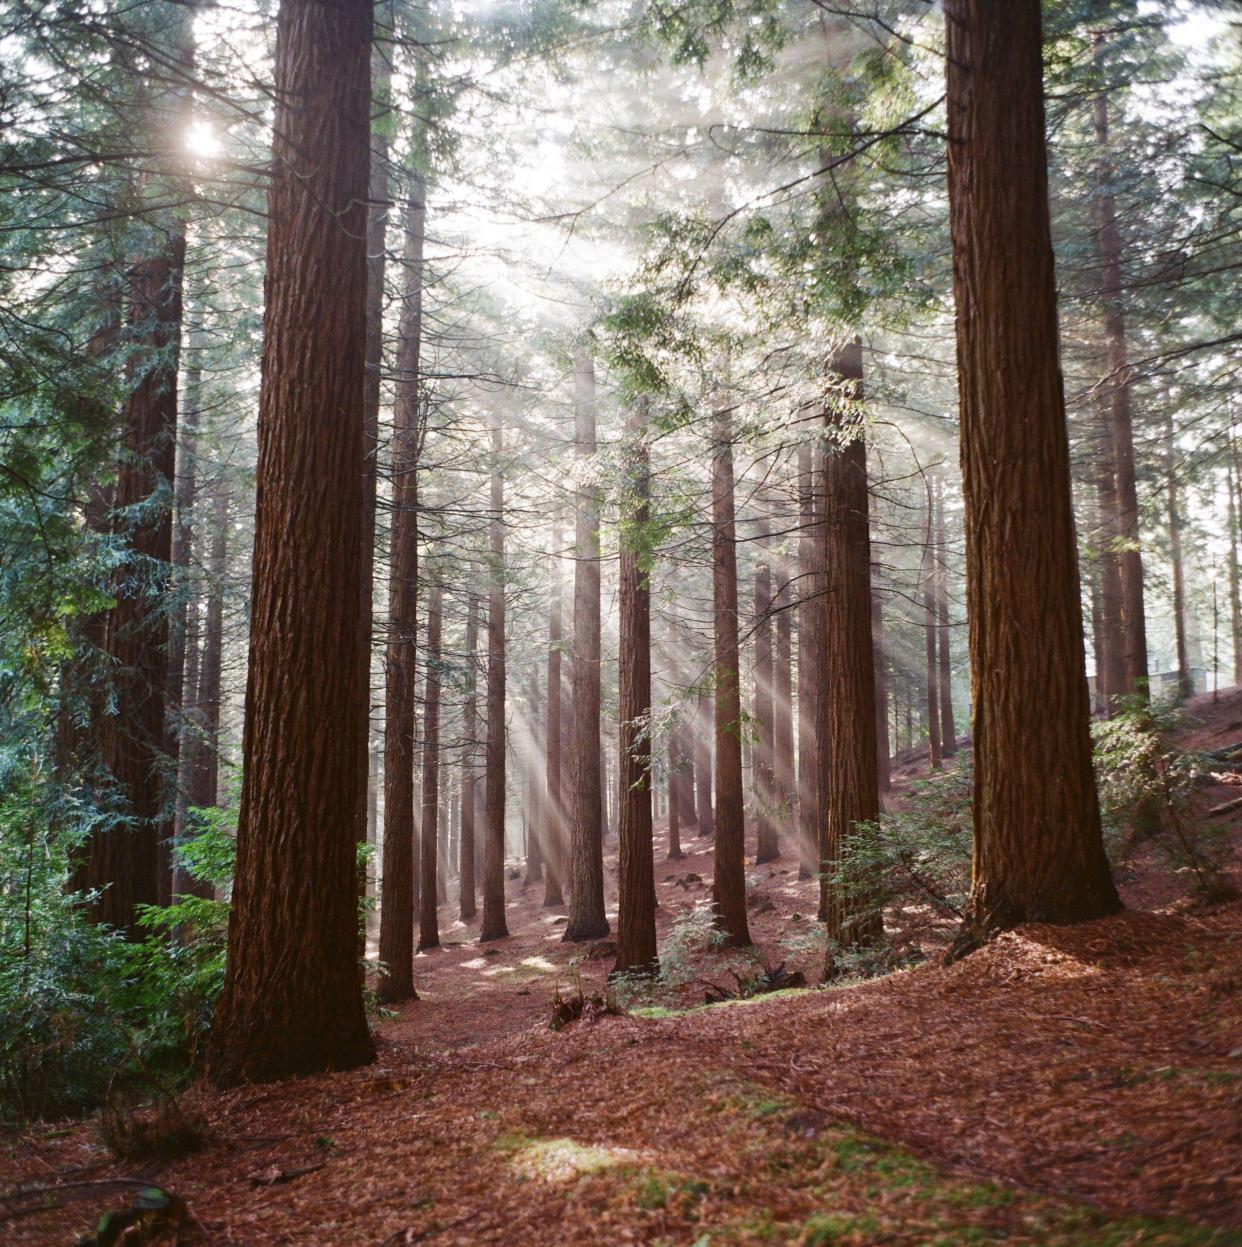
(620, 621)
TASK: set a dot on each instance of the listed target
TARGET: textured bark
(729, 880)
(125, 861)
(766, 847)
(292, 998)
(636, 933)
(469, 746)
(931, 623)
(948, 727)
(1110, 659)
(205, 772)
(429, 828)
(811, 644)
(399, 893)
(1117, 389)
(1185, 683)
(494, 925)
(1038, 853)
(587, 920)
(851, 780)
(554, 853)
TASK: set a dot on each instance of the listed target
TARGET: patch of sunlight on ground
(475, 963)
(561, 1160)
(539, 963)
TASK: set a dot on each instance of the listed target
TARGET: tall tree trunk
(1185, 682)
(1110, 656)
(429, 830)
(587, 920)
(1235, 595)
(782, 702)
(636, 933)
(948, 727)
(292, 999)
(931, 623)
(1039, 855)
(126, 861)
(469, 745)
(766, 847)
(811, 643)
(729, 881)
(495, 926)
(883, 746)
(851, 779)
(377, 239)
(399, 893)
(554, 863)
(536, 807)
(1108, 247)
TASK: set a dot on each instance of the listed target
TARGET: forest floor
(1076, 1085)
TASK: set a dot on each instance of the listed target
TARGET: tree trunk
(554, 863)
(636, 932)
(125, 861)
(729, 881)
(1130, 559)
(587, 920)
(1110, 657)
(469, 745)
(883, 746)
(1235, 595)
(1039, 855)
(948, 727)
(399, 892)
(766, 847)
(495, 926)
(292, 999)
(782, 702)
(851, 779)
(811, 642)
(429, 830)
(931, 623)
(536, 807)
(1185, 682)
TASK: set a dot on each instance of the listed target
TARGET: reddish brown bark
(1039, 855)
(883, 746)
(704, 732)
(554, 855)
(292, 998)
(812, 639)
(782, 702)
(536, 806)
(766, 847)
(729, 879)
(931, 623)
(948, 727)
(587, 920)
(636, 933)
(399, 891)
(469, 747)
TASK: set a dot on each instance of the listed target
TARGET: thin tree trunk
(636, 933)
(948, 727)
(536, 811)
(729, 881)
(469, 739)
(587, 920)
(292, 999)
(428, 910)
(1185, 682)
(782, 702)
(399, 892)
(704, 732)
(930, 625)
(495, 926)
(1039, 855)
(883, 746)
(851, 777)
(554, 863)
(1110, 659)
(1235, 595)
(1108, 246)
(766, 847)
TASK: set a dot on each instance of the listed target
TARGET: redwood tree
(292, 998)
(636, 933)
(554, 801)
(587, 920)
(469, 769)
(428, 910)
(729, 881)
(1039, 855)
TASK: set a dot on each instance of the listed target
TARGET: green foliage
(1146, 785)
(693, 934)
